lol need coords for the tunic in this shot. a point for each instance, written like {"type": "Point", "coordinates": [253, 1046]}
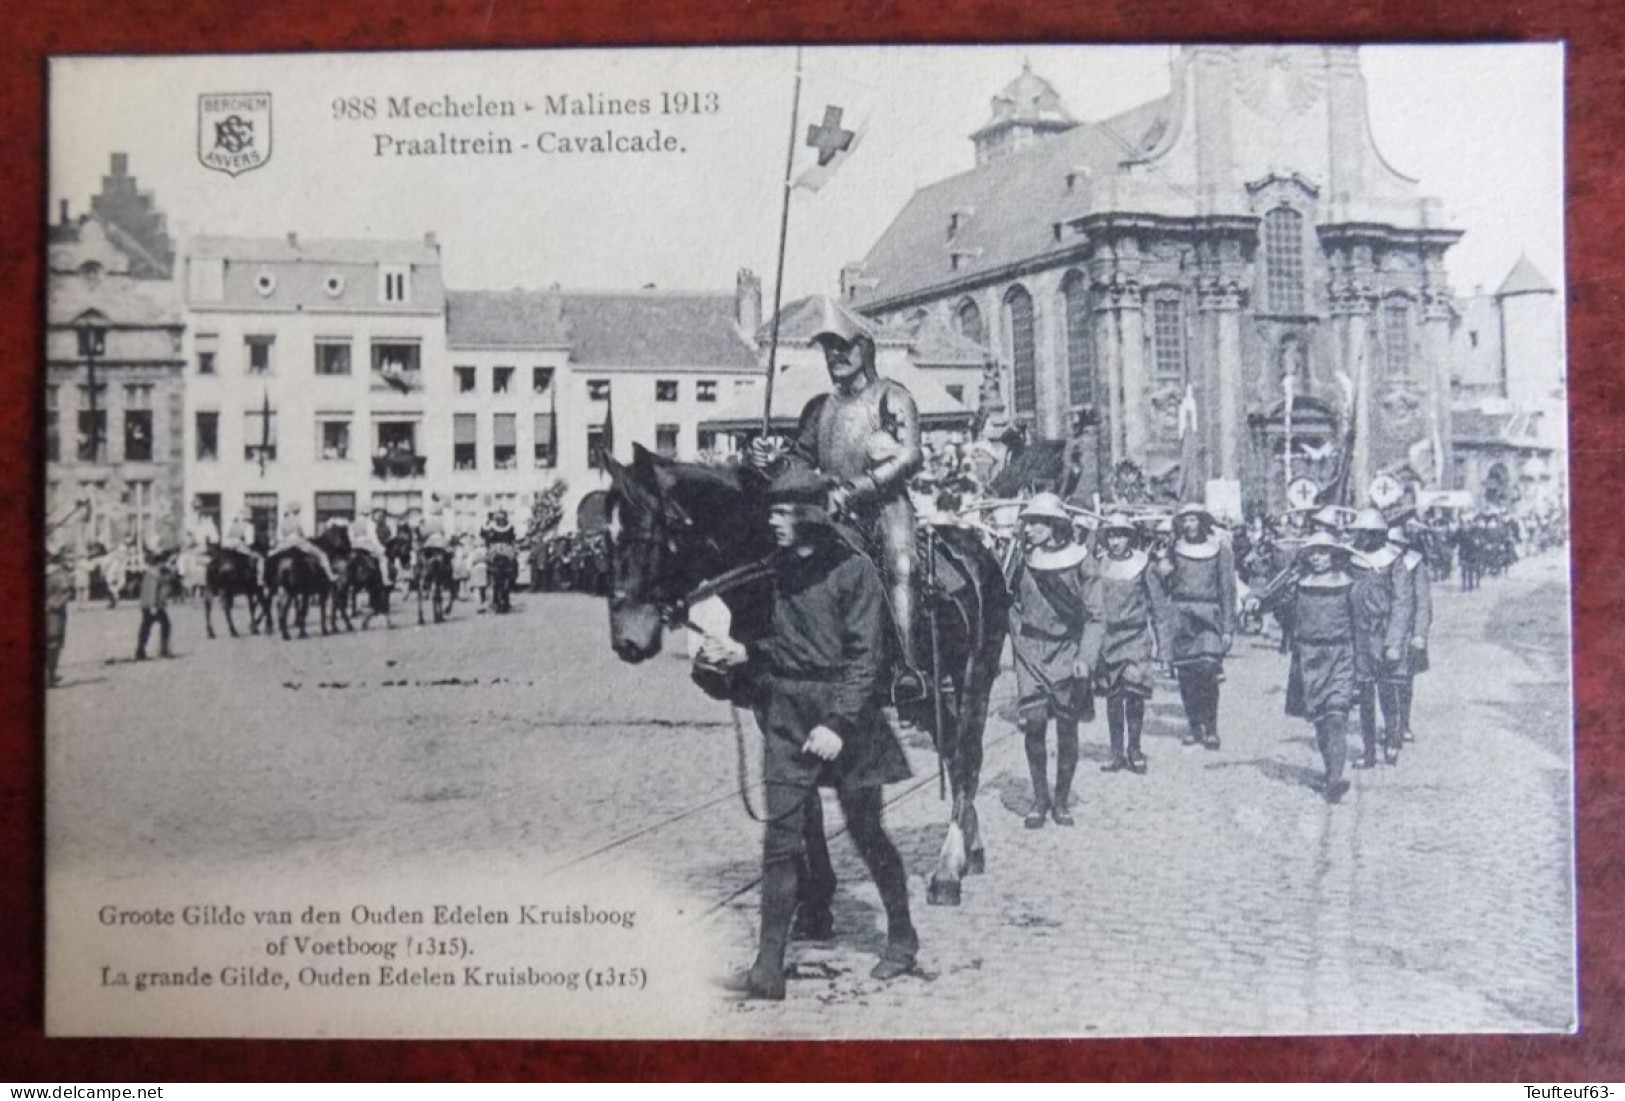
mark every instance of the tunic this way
{"type": "Point", "coordinates": [819, 665]}
{"type": "Point", "coordinates": [1320, 681]}
{"type": "Point", "coordinates": [1130, 604]}
{"type": "Point", "coordinates": [1382, 616]}
{"type": "Point", "coordinates": [1056, 621]}
{"type": "Point", "coordinates": [1200, 582]}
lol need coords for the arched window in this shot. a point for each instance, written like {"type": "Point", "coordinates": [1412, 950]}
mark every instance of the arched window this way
{"type": "Point", "coordinates": [1080, 340]}
{"type": "Point", "coordinates": [1396, 338]}
{"type": "Point", "coordinates": [1168, 337]}
{"type": "Point", "coordinates": [968, 321]}
{"type": "Point", "coordinates": [1018, 306]}
{"type": "Point", "coordinates": [1283, 260]}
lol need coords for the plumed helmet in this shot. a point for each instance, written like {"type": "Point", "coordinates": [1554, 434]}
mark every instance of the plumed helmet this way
{"type": "Point", "coordinates": [1046, 506]}
{"type": "Point", "coordinates": [1369, 519]}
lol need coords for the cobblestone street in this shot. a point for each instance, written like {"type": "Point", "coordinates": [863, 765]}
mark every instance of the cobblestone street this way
{"type": "Point", "coordinates": [1217, 894]}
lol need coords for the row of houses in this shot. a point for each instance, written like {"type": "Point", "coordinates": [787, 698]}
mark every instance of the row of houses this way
{"type": "Point", "coordinates": [345, 375]}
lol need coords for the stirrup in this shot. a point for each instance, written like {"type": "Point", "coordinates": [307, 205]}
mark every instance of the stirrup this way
{"type": "Point", "coordinates": [907, 687]}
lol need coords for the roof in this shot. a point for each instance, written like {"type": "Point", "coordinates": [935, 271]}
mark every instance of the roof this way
{"type": "Point", "coordinates": [1028, 100]}
{"type": "Point", "coordinates": [121, 299]}
{"type": "Point", "coordinates": [1525, 278]}
{"type": "Point", "coordinates": [1013, 202]}
{"type": "Point", "coordinates": [515, 319]}
{"type": "Point", "coordinates": [797, 384]}
{"type": "Point", "coordinates": [293, 249]}
{"type": "Point", "coordinates": [657, 329]}
{"type": "Point", "coordinates": [1511, 430]}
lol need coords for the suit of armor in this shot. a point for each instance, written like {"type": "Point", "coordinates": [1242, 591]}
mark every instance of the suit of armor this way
{"type": "Point", "coordinates": [867, 437]}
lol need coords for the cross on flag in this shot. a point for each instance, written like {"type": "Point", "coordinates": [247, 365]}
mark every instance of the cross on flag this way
{"type": "Point", "coordinates": [833, 144]}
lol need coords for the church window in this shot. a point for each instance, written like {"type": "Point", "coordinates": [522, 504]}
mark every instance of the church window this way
{"type": "Point", "coordinates": [1080, 340]}
{"type": "Point", "coordinates": [968, 321]}
{"type": "Point", "coordinates": [1283, 260]}
{"type": "Point", "coordinates": [1168, 338]}
{"type": "Point", "coordinates": [1018, 305]}
{"type": "Point", "coordinates": [1396, 338]}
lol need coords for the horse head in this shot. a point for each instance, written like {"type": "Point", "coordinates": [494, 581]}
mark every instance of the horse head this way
{"type": "Point", "coordinates": [666, 533]}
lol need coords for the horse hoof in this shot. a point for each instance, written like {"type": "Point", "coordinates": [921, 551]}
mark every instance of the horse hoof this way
{"type": "Point", "coordinates": [944, 892]}
{"type": "Point", "coordinates": [976, 863]}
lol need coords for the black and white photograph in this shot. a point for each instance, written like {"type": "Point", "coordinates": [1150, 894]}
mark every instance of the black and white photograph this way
{"type": "Point", "coordinates": [821, 543]}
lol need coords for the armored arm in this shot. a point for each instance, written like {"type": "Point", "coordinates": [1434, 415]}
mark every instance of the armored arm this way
{"type": "Point", "coordinates": [901, 419]}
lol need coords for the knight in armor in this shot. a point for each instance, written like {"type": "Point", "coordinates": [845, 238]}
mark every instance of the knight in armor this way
{"type": "Point", "coordinates": [1382, 629]}
{"type": "Point", "coordinates": [291, 536]}
{"type": "Point", "coordinates": [865, 434]}
{"type": "Point", "coordinates": [1131, 603]}
{"type": "Point", "coordinates": [1198, 574]}
{"type": "Point", "coordinates": [1056, 624]}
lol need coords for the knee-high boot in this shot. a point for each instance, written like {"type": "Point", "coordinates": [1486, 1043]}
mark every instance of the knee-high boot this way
{"type": "Point", "coordinates": [1210, 709]}
{"type": "Point", "coordinates": [866, 823]}
{"type": "Point", "coordinates": [1393, 730]}
{"type": "Point", "coordinates": [765, 979]}
{"type": "Point", "coordinates": [1190, 694]}
{"type": "Point", "coordinates": [1066, 767]}
{"type": "Point", "coordinates": [1116, 720]}
{"type": "Point", "coordinates": [1365, 698]}
{"type": "Point", "coordinates": [1134, 720]}
{"type": "Point", "coordinates": [1038, 767]}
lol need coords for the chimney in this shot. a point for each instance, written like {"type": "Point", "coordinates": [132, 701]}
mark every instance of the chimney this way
{"type": "Point", "coordinates": [748, 303]}
{"type": "Point", "coordinates": [431, 241]}
{"type": "Point", "coordinates": [64, 209]}
{"type": "Point", "coordinates": [853, 281]}
{"type": "Point", "coordinates": [293, 239]}
{"type": "Point", "coordinates": [121, 164]}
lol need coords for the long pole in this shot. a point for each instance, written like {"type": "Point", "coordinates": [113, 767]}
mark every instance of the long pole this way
{"type": "Point", "coordinates": [784, 233]}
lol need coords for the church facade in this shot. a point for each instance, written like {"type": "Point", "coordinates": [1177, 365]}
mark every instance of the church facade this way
{"type": "Point", "coordinates": [1228, 288]}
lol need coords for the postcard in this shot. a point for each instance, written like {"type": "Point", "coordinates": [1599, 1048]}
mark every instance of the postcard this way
{"type": "Point", "coordinates": [885, 542]}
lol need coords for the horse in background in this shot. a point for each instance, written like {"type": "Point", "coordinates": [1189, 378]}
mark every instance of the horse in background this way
{"type": "Point", "coordinates": [228, 574]}
{"type": "Point", "coordinates": [676, 525]}
{"type": "Point", "coordinates": [295, 579]}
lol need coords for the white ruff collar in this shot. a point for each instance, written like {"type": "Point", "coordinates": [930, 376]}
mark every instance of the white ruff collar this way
{"type": "Point", "coordinates": [1379, 559]}
{"type": "Point", "coordinates": [1056, 558]}
{"type": "Point", "coordinates": [1123, 569]}
{"type": "Point", "coordinates": [1205, 549]}
{"type": "Point", "coordinates": [1336, 579]}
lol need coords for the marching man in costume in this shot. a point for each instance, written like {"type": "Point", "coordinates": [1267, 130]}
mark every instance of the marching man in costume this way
{"type": "Point", "coordinates": [1199, 577]}
{"type": "Point", "coordinates": [1418, 595]}
{"type": "Point", "coordinates": [1132, 605]}
{"type": "Point", "coordinates": [814, 682]}
{"type": "Point", "coordinates": [1318, 593]}
{"type": "Point", "coordinates": [865, 434]}
{"type": "Point", "coordinates": [1382, 633]}
{"type": "Point", "coordinates": [1056, 625]}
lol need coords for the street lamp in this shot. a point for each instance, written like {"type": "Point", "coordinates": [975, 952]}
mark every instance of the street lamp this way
{"type": "Point", "coordinates": [92, 335]}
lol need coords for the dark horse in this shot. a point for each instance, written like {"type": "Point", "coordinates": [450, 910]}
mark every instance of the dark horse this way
{"type": "Point", "coordinates": [676, 525]}
{"type": "Point", "coordinates": [296, 578]}
{"type": "Point", "coordinates": [431, 573]}
{"type": "Point", "coordinates": [364, 574]}
{"type": "Point", "coordinates": [228, 575]}
{"type": "Point", "coordinates": [502, 563]}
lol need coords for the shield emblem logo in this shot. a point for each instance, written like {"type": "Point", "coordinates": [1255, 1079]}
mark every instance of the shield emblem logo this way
{"type": "Point", "coordinates": [234, 131]}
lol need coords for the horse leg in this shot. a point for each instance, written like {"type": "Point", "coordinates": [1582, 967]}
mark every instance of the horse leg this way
{"type": "Point", "coordinates": [227, 600]}
{"type": "Point", "coordinates": [973, 729]}
{"type": "Point", "coordinates": [208, 614]}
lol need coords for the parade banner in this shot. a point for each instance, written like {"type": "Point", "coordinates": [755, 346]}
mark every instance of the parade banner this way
{"type": "Point", "coordinates": [531, 556]}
